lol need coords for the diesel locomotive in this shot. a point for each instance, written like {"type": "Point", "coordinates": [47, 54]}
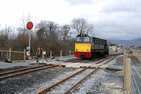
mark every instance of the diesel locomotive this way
{"type": "Point", "coordinates": [87, 47]}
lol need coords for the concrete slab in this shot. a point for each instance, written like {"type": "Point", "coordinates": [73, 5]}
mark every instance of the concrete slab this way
{"type": "Point", "coordinates": [75, 65]}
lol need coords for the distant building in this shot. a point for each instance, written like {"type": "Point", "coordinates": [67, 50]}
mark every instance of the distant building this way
{"type": "Point", "coordinates": [111, 44]}
{"type": "Point", "coordinates": [139, 48]}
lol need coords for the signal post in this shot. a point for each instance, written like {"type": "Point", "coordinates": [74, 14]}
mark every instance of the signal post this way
{"type": "Point", "coordinates": [29, 27]}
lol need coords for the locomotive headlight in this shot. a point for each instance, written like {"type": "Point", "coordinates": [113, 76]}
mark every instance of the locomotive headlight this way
{"type": "Point", "coordinates": [76, 49]}
{"type": "Point", "coordinates": [87, 50]}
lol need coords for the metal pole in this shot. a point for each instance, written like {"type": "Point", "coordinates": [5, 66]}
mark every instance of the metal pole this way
{"type": "Point", "coordinates": [24, 54]}
{"type": "Point", "coordinates": [29, 45]}
{"type": "Point", "coordinates": [9, 54]}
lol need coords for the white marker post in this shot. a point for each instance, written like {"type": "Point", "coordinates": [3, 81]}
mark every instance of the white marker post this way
{"type": "Point", "coordinates": [29, 27]}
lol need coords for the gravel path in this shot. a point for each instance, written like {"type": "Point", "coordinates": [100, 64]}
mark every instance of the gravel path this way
{"type": "Point", "coordinates": [23, 82]}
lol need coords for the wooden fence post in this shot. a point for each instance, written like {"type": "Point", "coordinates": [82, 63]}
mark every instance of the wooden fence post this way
{"type": "Point", "coordinates": [70, 54]}
{"type": "Point", "coordinates": [24, 54]}
{"type": "Point", "coordinates": [60, 55]}
{"type": "Point", "coordinates": [50, 55]}
{"type": "Point", "coordinates": [124, 63]}
{"type": "Point", "coordinates": [128, 76]}
{"type": "Point", "coordinates": [9, 53]}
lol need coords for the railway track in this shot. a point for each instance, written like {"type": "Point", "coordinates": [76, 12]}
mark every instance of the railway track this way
{"type": "Point", "coordinates": [75, 60]}
{"type": "Point", "coordinates": [79, 60]}
{"type": "Point", "coordinates": [64, 80]}
{"type": "Point", "coordinates": [9, 74]}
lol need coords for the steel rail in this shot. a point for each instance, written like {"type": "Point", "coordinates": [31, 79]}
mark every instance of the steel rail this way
{"type": "Point", "coordinates": [54, 85]}
{"type": "Point", "coordinates": [103, 60]}
{"type": "Point", "coordinates": [25, 72]}
{"type": "Point", "coordinates": [78, 60]}
{"type": "Point", "coordinates": [108, 60]}
{"type": "Point", "coordinates": [67, 91]}
{"type": "Point", "coordinates": [97, 63]}
{"type": "Point", "coordinates": [19, 70]}
{"type": "Point", "coordinates": [75, 60]}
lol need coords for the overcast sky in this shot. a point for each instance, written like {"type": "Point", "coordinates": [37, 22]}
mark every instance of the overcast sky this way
{"type": "Point", "coordinates": [112, 19]}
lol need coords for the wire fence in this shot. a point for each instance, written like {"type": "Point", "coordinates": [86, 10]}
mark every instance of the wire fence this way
{"type": "Point", "coordinates": [134, 83]}
{"type": "Point", "coordinates": [132, 76]}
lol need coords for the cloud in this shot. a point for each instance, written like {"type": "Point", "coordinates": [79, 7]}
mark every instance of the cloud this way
{"type": "Point", "coordinates": [118, 20]}
{"type": "Point", "coordinates": [112, 19]}
{"type": "Point", "coordinates": [122, 6]}
{"type": "Point", "coordinates": [79, 2]}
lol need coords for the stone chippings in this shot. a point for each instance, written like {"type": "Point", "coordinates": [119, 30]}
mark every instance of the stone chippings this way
{"type": "Point", "coordinates": [42, 86]}
{"type": "Point", "coordinates": [20, 83]}
{"type": "Point", "coordinates": [66, 85]}
{"type": "Point", "coordinates": [102, 82]}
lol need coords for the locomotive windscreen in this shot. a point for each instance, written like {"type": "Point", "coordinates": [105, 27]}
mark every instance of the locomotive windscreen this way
{"type": "Point", "coordinates": [86, 39]}
{"type": "Point", "coordinates": [79, 39]}
{"type": "Point", "coordinates": [83, 39]}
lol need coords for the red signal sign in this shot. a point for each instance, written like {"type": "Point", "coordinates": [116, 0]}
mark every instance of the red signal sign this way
{"type": "Point", "coordinates": [29, 25]}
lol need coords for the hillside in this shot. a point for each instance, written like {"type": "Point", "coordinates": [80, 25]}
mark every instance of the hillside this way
{"type": "Point", "coordinates": [135, 42]}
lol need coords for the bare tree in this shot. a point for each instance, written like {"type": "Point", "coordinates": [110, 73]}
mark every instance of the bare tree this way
{"type": "Point", "coordinates": [6, 35]}
{"type": "Point", "coordinates": [24, 20]}
{"type": "Point", "coordinates": [65, 31]}
{"type": "Point", "coordinates": [48, 27]}
{"type": "Point", "coordinates": [7, 31]}
{"type": "Point", "coordinates": [40, 34]}
{"type": "Point", "coordinates": [80, 25]}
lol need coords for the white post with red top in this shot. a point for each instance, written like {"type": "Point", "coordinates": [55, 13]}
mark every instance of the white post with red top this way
{"type": "Point", "coordinates": [29, 27]}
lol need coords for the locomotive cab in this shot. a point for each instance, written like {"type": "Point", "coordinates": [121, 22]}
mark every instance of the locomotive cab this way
{"type": "Point", "coordinates": [83, 46]}
{"type": "Point", "coordinates": [81, 39]}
